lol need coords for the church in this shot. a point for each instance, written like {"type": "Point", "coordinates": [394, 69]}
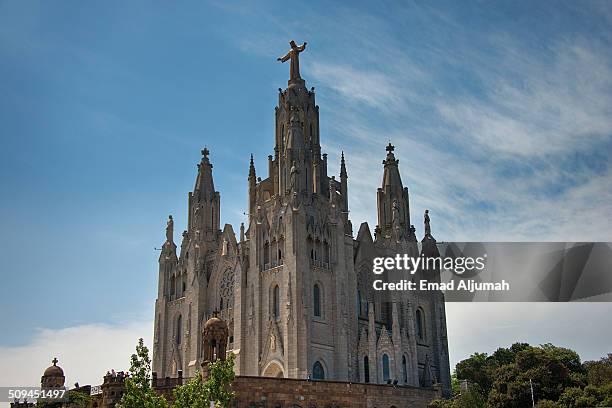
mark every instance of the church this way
{"type": "Point", "coordinates": [295, 285]}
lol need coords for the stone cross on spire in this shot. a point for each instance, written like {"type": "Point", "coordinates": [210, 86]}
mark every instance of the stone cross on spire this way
{"type": "Point", "coordinates": [294, 55]}
{"type": "Point", "coordinates": [55, 361]}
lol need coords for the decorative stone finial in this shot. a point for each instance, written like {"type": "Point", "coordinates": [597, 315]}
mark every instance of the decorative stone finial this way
{"type": "Point", "coordinates": [55, 361]}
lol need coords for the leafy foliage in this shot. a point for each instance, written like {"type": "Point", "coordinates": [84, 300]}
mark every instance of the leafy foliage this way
{"type": "Point", "coordinates": [138, 392]}
{"type": "Point", "coordinates": [197, 393]}
{"type": "Point", "coordinates": [559, 378]}
{"type": "Point", "coordinates": [191, 395]}
{"type": "Point", "coordinates": [472, 398]}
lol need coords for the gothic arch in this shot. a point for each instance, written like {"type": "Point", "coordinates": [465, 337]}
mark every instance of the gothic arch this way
{"type": "Point", "coordinates": [404, 370]}
{"type": "Point", "coordinates": [385, 347]}
{"type": "Point", "coordinates": [318, 371]}
{"type": "Point", "coordinates": [273, 369]}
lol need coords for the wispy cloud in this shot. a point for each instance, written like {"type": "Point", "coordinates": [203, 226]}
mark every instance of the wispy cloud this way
{"type": "Point", "coordinates": [520, 153]}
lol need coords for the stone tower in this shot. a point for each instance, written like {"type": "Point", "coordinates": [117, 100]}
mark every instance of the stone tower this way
{"type": "Point", "coordinates": [294, 308]}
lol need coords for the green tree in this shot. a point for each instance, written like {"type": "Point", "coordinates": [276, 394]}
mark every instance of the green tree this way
{"type": "Point", "coordinates": [599, 372]}
{"type": "Point", "coordinates": [477, 369]}
{"type": "Point", "coordinates": [138, 392]}
{"type": "Point", "coordinates": [455, 383]}
{"type": "Point", "coordinates": [78, 399]}
{"type": "Point", "coordinates": [197, 393]}
{"type": "Point", "coordinates": [547, 404]}
{"type": "Point", "coordinates": [221, 375]}
{"type": "Point", "coordinates": [472, 398]}
{"type": "Point", "coordinates": [191, 395]}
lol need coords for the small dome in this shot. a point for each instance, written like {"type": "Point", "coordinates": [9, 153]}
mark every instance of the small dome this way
{"type": "Point", "coordinates": [214, 323]}
{"type": "Point", "coordinates": [54, 370]}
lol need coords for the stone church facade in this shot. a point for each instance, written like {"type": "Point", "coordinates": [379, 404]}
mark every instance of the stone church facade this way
{"type": "Point", "coordinates": [295, 286]}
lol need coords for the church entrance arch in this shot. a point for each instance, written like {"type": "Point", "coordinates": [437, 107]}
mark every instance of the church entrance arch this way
{"type": "Point", "coordinates": [273, 369]}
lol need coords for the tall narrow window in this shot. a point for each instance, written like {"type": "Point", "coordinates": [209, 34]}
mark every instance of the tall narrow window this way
{"type": "Point", "coordinates": [318, 373]}
{"type": "Point", "coordinates": [404, 370]}
{"type": "Point", "coordinates": [276, 302]}
{"type": "Point", "coordinates": [317, 300]}
{"type": "Point", "coordinates": [388, 314]}
{"type": "Point", "coordinates": [420, 324]}
{"type": "Point", "coordinates": [358, 308]}
{"type": "Point", "coordinates": [325, 252]}
{"type": "Point", "coordinates": [385, 364]}
{"type": "Point", "coordinates": [179, 329]}
{"type": "Point", "coordinates": [266, 254]}
{"type": "Point", "coordinates": [366, 369]}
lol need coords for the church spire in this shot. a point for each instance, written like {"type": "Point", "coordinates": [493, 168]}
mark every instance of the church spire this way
{"type": "Point", "coordinates": [204, 202]}
{"type": "Point", "coordinates": [252, 187]}
{"type": "Point", "coordinates": [204, 186]}
{"type": "Point", "coordinates": [251, 168]}
{"type": "Point", "coordinates": [393, 205]}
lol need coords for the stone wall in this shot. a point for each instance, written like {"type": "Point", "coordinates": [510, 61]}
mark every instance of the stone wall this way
{"type": "Point", "coordinates": [264, 392]}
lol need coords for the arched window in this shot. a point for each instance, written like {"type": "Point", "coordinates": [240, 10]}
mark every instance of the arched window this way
{"type": "Point", "coordinates": [404, 370]}
{"type": "Point", "coordinates": [420, 324]}
{"type": "Point", "coordinates": [184, 288]}
{"type": "Point", "coordinates": [276, 302]}
{"type": "Point", "coordinates": [385, 364]}
{"type": "Point", "coordinates": [281, 246]}
{"type": "Point", "coordinates": [325, 252]}
{"type": "Point", "coordinates": [221, 304]}
{"type": "Point", "coordinates": [172, 287]}
{"type": "Point", "coordinates": [179, 329]}
{"type": "Point", "coordinates": [316, 298]}
{"type": "Point", "coordinates": [366, 369]}
{"type": "Point", "coordinates": [318, 373]}
{"type": "Point", "coordinates": [311, 248]}
{"type": "Point", "coordinates": [266, 254]}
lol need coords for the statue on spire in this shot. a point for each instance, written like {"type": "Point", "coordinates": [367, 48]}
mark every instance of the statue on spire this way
{"type": "Point", "coordinates": [170, 229]}
{"type": "Point", "coordinates": [427, 225]}
{"type": "Point", "coordinates": [294, 55]}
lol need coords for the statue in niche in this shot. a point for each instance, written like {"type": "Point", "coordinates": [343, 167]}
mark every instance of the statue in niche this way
{"type": "Point", "coordinates": [272, 342]}
{"type": "Point", "coordinates": [395, 220]}
{"type": "Point", "coordinates": [293, 178]}
{"type": "Point", "coordinates": [294, 137]}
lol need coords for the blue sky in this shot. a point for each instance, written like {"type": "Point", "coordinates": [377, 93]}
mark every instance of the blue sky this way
{"type": "Point", "coordinates": [501, 114]}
